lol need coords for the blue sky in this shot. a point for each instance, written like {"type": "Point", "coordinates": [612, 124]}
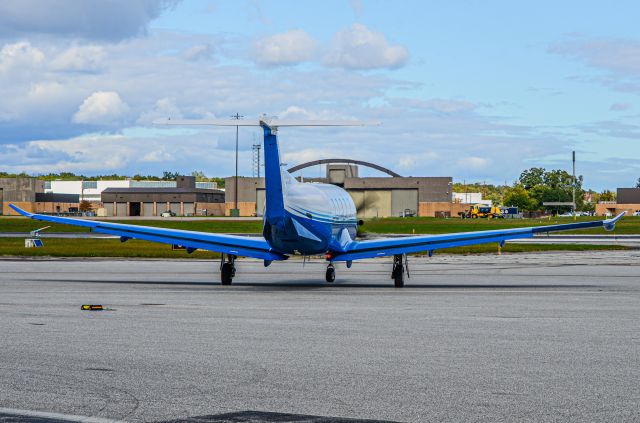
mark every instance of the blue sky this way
{"type": "Point", "coordinates": [474, 90]}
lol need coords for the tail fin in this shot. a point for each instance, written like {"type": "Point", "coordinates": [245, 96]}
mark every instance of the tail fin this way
{"type": "Point", "coordinates": [272, 175]}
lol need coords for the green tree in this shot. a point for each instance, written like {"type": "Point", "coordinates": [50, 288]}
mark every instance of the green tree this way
{"type": "Point", "coordinates": [169, 176]}
{"type": "Point", "coordinates": [607, 195]}
{"type": "Point", "coordinates": [85, 206]}
{"type": "Point", "coordinates": [200, 176]}
{"type": "Point", "coordinates": [518, 196]}
{"type": "Point", "coordinates": [638, 183]}
{"type": "Point", "coordinates": [532, 177]}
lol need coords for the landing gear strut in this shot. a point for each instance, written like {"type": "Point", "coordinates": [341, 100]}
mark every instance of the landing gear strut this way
{"type": "Point", "coordinates": [227, 269]}
{"type": "Point", "coordinates": [397, 274]}
{"type": "Point", "coordinates": [330, 276]}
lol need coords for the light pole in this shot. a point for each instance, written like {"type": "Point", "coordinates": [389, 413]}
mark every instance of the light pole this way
{"type": "Point", "coordinates": [574, 184]}
{"type": "Point", "coordinates": [235, 211]}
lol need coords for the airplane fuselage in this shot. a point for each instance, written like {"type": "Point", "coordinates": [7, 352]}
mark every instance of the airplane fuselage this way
{"type": "Point", "coordinates": [317, 218]}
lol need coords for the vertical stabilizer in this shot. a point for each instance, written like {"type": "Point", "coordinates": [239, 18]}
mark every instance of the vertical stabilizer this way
{"type": "Point", "coordinates": [273, 176]}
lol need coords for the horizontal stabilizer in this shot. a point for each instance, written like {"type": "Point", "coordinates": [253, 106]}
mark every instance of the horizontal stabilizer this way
{"type": "Point", "coordinates": [272, 123]}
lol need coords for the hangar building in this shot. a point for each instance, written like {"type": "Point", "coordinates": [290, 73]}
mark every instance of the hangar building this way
{"type": "Point", "coordinates": [373, 196]}
{"type": "Point", "coordinates": [184, 200]}
{"type": "Point", "coordinates": [29, 194]}
{"type": "Point", "coordinates": [627, 199]}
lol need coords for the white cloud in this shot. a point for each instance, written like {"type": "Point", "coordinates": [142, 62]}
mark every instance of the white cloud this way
{"type": "Point", "coordinates": [472, 162]}
{"type": "Point", "coordinates": [163, 108]}
{"type": "Point", "coordinates": [418, 160]}
{"type": "Point", "coordinates": [80, 58]}
{"type": "Point", "coordinates": [107, 20]}
{"type": "Point", "coordinates": [296, 112]}
{"type": "Point", "coordinates": [20, 55]}
{"type": "Point", "coordinates": [359, 47]}
{"type": "Point", "coordinates": [616, 55]}
{"type": "Point", "coordinates": [198, 52]}
{"type": "Point", "coordinates": [289, 48]}
{"type": "Point", "coordinates": [293, 158]}
{"type": "Point", "coordinates": [100, 108]}
{"type": "Point", "coordinates": [157, 156]}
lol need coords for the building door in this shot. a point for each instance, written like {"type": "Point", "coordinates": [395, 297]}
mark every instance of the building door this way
{"type": "Point", "coordinates": [260, 196]}
{"type": "Point", "coordinates": [147, 209]}
{"type": "Point", "coordinates": [371, 203]}
{"type": "Point", "coordinates": [134, 209]}
{"type": "Point", "coordinates": [121, 209]}
{"type": "Point", "coordinates": [404, 200]}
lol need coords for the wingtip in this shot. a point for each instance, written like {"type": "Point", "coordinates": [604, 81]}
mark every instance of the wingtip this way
{"type": "Point", "coordinates": [610, 224]}
{"type": "Point", "coordinates": [20, 211]}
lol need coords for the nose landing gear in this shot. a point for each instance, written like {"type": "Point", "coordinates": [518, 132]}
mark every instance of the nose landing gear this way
{"type": "Point", "coordinates": [227, 269]}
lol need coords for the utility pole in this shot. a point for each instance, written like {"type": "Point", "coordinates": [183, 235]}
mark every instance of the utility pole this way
{"type": "Point", "coordinates": [574, 184]}
{"type": "Point", "coordinates": [236, 212]}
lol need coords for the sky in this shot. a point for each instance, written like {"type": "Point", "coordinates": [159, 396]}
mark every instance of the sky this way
{"type": "Point", "coordinates": [474, 90]}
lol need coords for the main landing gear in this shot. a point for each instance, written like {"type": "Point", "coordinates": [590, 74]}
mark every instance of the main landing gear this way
{"type": "Point", "coordinates": [397, 274]}
{"type": "Point", "coordinates": [330, 276]}
{"type": "Point", "coordinates": [227, 268]}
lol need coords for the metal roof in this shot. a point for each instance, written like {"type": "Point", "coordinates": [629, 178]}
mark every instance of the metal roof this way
{"type": "Point", "coordinates": [144, 190]}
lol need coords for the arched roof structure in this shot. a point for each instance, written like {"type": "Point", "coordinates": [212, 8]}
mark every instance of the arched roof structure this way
{"type": "Point", "coordinates": [344, 161]}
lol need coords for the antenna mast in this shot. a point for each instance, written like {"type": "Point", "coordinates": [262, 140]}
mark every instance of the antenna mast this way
{"type": "Point", "coordinates": [256, 157]}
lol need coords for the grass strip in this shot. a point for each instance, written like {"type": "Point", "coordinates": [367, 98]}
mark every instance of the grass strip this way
{"type": "Point", "coordinates": [629, 225]}
{"type": "Point", "coordinates": [145, 249]}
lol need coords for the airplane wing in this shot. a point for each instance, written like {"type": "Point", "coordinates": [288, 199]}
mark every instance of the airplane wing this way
{"type": "Point", "coordinates": [413, 244]}
{"type": "Point", "coordinates": [256, 247]}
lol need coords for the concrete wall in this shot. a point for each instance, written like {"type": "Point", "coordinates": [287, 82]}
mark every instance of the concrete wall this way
{"type": "Point", "coordinates": [24, 205]}
{"type": "Point", "coordinates": [616, 208]}
{"type": "Point", "coordinates": [213, 209]}
{"type": "Point", "coordinates": [54, 207]}
{"type": "Point", "coordinates": [20, 189]}
{"type": "Point", "coordinates": [157, 208]}
{"type": "Point", "coordinates": [161, 195]}
{"type": "Point", "coordinates": [628, 196]}
{"type": "Point", "coordinates": [470, 198]}
{"type": "Point", "coordinates": [247, 208]}
{"type": "Point", "coordinates": [440, 209]}
{"type": "Point", "coordinates": [430, 189]}
{"type": "Point", "coordinates": [246, 189]}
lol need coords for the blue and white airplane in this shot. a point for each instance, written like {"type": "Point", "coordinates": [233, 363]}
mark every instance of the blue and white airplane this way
{"type": "Point", "coordinates": [305, 219]}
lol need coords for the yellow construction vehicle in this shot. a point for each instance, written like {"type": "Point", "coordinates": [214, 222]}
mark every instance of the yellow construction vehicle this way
{"type": "Point", "coordinates": [482, 211]}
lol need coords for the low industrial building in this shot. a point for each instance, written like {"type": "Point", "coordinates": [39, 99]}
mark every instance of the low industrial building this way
{"type": "Point", "coordinates": [470, 198]}
{"type": "Point", "coordinates": [627, 199]}
{"type": "Point", "coordinates": [373, 196]}
{"type": "Point", "coordinates": [92, 190]}
{"type": "Point", "coordinates": [185, 199]}
{"type": "Point", "coordinates": [29, 194]}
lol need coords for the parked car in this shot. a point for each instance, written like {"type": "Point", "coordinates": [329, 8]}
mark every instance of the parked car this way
{"type": "Point", "coordinates": [167, 214]}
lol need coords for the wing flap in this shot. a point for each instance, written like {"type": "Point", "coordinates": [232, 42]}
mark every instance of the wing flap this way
{"type": "Point", "coordinates": [229, 244]}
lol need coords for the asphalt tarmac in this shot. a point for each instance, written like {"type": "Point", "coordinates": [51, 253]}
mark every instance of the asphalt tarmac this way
{"type": "Point", "coordinates": [528, 337]}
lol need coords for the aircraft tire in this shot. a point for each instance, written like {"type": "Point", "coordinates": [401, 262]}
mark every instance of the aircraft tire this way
{"type": "Point", "coordinates": [226, 274]}
{"type": "Point", "coordinates": [398, 278]}
{"type": "Point", "coordinates": [330, 276]}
